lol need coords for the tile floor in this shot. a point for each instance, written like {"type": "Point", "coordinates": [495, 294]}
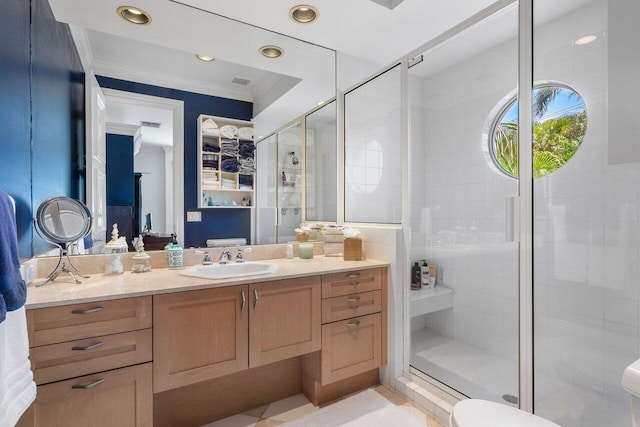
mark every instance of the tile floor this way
{"type": "Point", "coordinates": [297, 406]}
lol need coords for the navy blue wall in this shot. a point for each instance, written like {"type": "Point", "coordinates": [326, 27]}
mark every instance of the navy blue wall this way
{"type": "Point", "coordinates": [41, 76]}
{"type": "Point", "coordinates": [216, 223]}
{"type": "Point", "coordinates": [119, 169]}
{"type": "Point", "coordinates": [15, 120]}
{"type": "Point", "coordinates": [57, 100]}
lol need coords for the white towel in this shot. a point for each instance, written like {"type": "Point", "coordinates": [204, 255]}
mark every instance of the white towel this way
{"type": "Point", "coordinates": [217, 243]}
{"type": "Point", "coordinates": [17, 389]}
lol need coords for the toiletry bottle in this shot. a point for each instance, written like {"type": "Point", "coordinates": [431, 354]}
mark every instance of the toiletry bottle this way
{"type": "Point", "coordinates": [425, 275]}
{"type": "Point", "coordinates": [284, 177]}
{"type": "Point", "coordinates": [289, 251]}
{"type": "Point", "coordinates": [415, 276]}
{"type": "Point", "coordinates": [174, 253]}
{"type": "Point", "coordinates": [433, 271]}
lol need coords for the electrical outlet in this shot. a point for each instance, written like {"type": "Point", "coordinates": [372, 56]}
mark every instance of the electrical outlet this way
{"type": "Point", "coordinates": [194, 216]}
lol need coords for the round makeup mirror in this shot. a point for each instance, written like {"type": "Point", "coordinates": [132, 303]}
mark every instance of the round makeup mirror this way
{"type": "Point", "coordinates": [63, 221]}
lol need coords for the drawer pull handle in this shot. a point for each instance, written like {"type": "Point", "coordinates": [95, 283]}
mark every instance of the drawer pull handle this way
{"type": "Point", "coordinates": [89, 347]}
{"type": "Point", "coordinates": [353, 324]}
{"type": "Point", "coordinates": [255, 295]}
{"type": "Point", "coordinates": [353, 275]}
{"type": "Point", "coordinates": [244, 302]}
{"type": "Point", "coordinates": [87, 386]}
{"type": "Point", "coordinates": [88, 311]}
{"type": "Point", "coordinates": [353, 300]}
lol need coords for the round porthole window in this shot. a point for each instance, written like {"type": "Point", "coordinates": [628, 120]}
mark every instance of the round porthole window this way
{"type": "Point", "coordinates": [559, 126]}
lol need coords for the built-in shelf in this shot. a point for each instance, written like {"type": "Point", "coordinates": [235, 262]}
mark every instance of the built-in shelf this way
{"type": "Point", "coordinates": [210, 169]}
{"type": "Point", "coordinates": [430, 300]}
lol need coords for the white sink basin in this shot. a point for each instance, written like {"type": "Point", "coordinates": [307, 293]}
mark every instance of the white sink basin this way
{"type": "Point", "coordinates": [227, 271]}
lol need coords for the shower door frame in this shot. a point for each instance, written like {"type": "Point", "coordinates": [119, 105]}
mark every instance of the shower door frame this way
{"type": "Point", "coordinates": [524, 205]}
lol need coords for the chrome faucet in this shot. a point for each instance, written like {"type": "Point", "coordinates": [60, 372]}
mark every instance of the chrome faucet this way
{"type": "Point", "coordinates": [206, 260]}
{"type": "Point", "coordinates": [225, 256]}
{"type": "Point", "coordinates": [240, 255]}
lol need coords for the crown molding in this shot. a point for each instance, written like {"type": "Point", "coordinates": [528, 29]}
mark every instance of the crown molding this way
{"type": "Point", "coordinates": [81, 40]}
{"type": "Point", "coordinates": [117, 71]}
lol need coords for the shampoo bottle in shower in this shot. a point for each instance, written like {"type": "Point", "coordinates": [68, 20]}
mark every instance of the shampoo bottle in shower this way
{"type": "Point", "coordinates": [415, 276]}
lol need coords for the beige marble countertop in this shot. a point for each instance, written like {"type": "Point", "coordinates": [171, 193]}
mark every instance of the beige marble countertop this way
{"type": "Point", "coordinates": [159, 281]}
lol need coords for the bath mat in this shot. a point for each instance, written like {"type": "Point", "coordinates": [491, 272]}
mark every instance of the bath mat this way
{"type": "Point", "coordinates": [365, 409]}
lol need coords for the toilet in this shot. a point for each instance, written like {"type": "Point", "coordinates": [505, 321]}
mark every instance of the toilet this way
{"type": "Point", "coordinates": [482, 413]}
{"type": "Point", "coordinates": [631, 383]}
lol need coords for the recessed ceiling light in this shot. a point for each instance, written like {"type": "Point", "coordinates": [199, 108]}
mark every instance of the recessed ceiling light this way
{"type": "Point", "coordinates": [304, 14]}
{"type": "Point", "coordinates": [204, 58]}
{"type": "Point", "coordinates": [271, 51]}
{"type": "Point", "coordinates": [134, 15]}
{"type": "Point", "coordinates": [586, 39]}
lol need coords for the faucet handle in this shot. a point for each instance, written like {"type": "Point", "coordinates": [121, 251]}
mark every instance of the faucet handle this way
{"type": "Point", "coordinates": [241, 252]}
{"type": "Point", "coordinates": [225, 256]}
{"type": "Point", "coordinates": [206, 260]}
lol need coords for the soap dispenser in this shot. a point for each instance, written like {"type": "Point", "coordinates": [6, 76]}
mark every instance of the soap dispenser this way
{"type": "Point", "coordinates": [174, 253]}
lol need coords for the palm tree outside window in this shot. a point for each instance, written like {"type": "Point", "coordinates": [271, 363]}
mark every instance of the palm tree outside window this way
{"type": "Point", "coordinates": [559, 126]}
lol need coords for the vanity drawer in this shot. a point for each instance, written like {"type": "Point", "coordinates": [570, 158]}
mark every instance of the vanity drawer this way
{"type": "Point", "coordinates": [72, 322]}
{"type": "Point", "coordinates": [344, 307]}
{"type": "Point", "coordinates": [350, 282]}
{"type": "Point", "coordinates": [122, 397]}
{"type": "Point", "coordinates": [56, 362]}
{"type": "Point", "coordinates": [351, 347]}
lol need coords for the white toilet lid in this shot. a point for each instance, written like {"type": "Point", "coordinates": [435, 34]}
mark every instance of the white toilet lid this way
{"type": "Point", "coordinates": [482, 413]}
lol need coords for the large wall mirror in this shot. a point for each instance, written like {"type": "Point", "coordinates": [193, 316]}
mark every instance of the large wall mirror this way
{"type": "Point", "coordinates": [143, 63]}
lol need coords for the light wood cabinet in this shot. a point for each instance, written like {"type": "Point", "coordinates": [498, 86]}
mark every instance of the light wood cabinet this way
{"type": "Point", "coordinates": [199, 335]}
{"type": "Point", "coordinates": [284, 319]}
{"type": "Point", "coordinates": [351, 282]}
{"type": "Point", "coordinates": [72, 322]}
{"type": "Point", "coordinates": [122, 397]}
{"type": "Point", "coordinates": [350, 347]}
{"type": "Point", "coordinates": [57, 362]}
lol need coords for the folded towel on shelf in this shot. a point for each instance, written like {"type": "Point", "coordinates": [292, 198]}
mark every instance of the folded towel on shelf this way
{"type": "Point", "coordinates": [247, 166]}
{"type": "Point", "coordinates": [229, 147]}
{"type": "Point", "coordinates": [210, 127]}
{"type": "Point", "coordinates": [230, 165]}
{"type": "Point", "coordinates": [210, 148]}
{"type": "Point", "coordinates": [246, 187]}
{"type": "Point", "coordinates": [210, 187]}
{"type": "Point", "coordinates": [246, 149]}
{"type": "Point", "coordinates": [245, 180]}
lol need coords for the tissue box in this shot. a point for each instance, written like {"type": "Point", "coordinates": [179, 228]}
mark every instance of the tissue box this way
{"type": "Point", "coordinates": [302, 236]}
{"type": "Point", "coordinates": [353, 249]}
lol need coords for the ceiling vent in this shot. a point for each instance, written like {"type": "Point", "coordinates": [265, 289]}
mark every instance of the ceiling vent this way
{"type": "Point", "coordinates": [150, 124]}
{"type": "Point", "coordinates": [240, 81]}
{"type": "Point", "coordinates": [389, 4]}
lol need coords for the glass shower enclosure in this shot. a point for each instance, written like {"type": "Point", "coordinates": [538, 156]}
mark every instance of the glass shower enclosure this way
{"type": "Point", "coordinates": [464, 331]}
{"type": "Point", "coordinates": [582, 183]}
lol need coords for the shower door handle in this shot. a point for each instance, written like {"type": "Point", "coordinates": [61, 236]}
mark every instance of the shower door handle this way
{"type": "Point", "coordinates": [513, 219]}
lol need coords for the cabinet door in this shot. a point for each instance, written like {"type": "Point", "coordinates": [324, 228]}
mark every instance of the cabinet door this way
{"type": "Point", "coordinates": [199, 335]}
{"type": "Point", "coordinates": [123, 397]}
{"type": "Point", "coordinates": [285, 319]}
{"type": "Point", "coordinates": [350, 347]}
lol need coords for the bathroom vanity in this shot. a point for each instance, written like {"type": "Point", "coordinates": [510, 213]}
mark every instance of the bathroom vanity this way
{"type": "Point", "coordinates": [163, 349]}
